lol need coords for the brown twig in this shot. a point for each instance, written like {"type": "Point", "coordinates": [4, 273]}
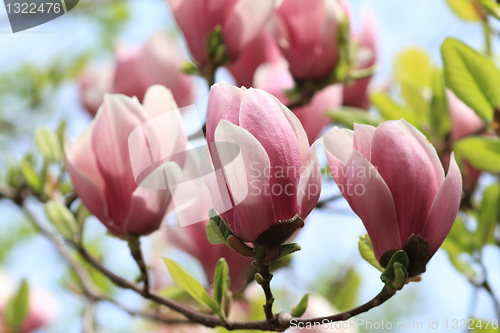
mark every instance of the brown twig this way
{"type": "Point", "coordinates": [281, 324]}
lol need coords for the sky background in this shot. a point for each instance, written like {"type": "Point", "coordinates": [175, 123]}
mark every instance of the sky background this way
{"type": "Point", "coordinates": [329, 240]}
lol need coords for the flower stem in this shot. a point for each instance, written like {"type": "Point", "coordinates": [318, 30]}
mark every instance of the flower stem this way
{"type": "Point", "coordinates": [134, 244]}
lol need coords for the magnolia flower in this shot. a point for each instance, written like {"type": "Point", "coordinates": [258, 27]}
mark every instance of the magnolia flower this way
{"type": "Point", "coordinates": [464, 121]}
{"type": "Point", "coordinates": [192, 239]}
{"type": "Point", "coordinates": [99, 161]}
{"type": "Point", "coordinates": [275, 78]}
{"type": "Point", "coordinates": [281, 172]}
{"type": "Point", "coordinates": [392, 178]}
{"type": "Point", "coordinates": [159, 61]}
{"type": "Point", "coordinates": [240, 20]}
{"type": "Point", "coordinates": [43, 308]}
{"type": "Point", "coordinates": [261, 50]}
{"type": "Point", "coordinates": [356, 94]}
{"type": "Point", "coordinates": [306, 32]}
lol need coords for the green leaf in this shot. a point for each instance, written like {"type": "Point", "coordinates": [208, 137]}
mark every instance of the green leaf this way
{"type": "Point", "coordinates": [217, 229]}
{"type": "Point", "coordinates": [62, 218]}
{"type": "Point", "coordinates": [48, 144]}
{"type": "Point", "coordinates": [347, 116]}
{"type": "Point", "coordinates": [220, 281]}
{"type": "Point", "coordinates": [459, 239]}
{"type": "Point", "coordinates": [390, 110]}
{"type": "Point", "coordinates": [343, 293]}
{"type": "Point", "coordinates": [299, 310]}
{"type": "Point", "coordinates": [17, 307]}
{"type": "Point", "coordinates": [287, 249]}
{"type": "Point", "coordinates": [366, 250]}
{"type": "Point", "coordinates": [413, 65]}
{"type": "Point", "coordinates": [488, 216]}
{"type": "Point", "coordinates": [186, 281]}
{"type": "Point", "coordinates": [397, 266]}
{"type": "Point", "coordinates": [473, 78]}
{"type": "Point", "coordinates": [61, 133]}
{"type": "Point", "coordinates": [32, 178]}
{"type": "Point", "coordinates": [439, 115]}
{"type": "Point", "coordinates": [481, 152]}
{"type": "Point", "coordinates": [464, 9]}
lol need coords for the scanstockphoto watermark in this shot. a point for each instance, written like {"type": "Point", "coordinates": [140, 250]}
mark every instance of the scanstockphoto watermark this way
{"type": "Point", "coordinates": [361, 324]}
{"type": "Point", "coordinates": [26, 14]}
{"type": "Point", "coordinates": [222, 170]}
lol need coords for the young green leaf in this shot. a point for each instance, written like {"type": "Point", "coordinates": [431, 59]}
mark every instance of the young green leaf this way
{"type": "Point", "coordinates": [464, 9]}
{"type": "Point", "coordinates": [62, 218]}
{"type": "Point", "coordinates": [17, 308]}
{"type": "Point", "coordinates": [481, 152]}
{"type": "Point", "coordinates": [390, 110]}
{"type": "Point", "coordinates": [489, 215]}
{"type": "Point", "coordinates": [217, 229]}
{"type": "Point", "coordinates": [347, 116]}
{"type": "Point", "coordinates": [287, 249]}
{"type": "Point", "coordinates": [299, 310]}
{"type": "Point", "coordinates": [220, 280]}
{"type": "Point", "coordinates": [366, 250]}
{"type": "Point", "coordinates": [473, 78]}
{"type": "Point", "coordinates": [48, 144]}
{"type": "Point", "coordinates": [396, 270]}
{"type": "Point", "coordinates": [32, 178]}
{"type": "Point", "coordinates": [193, 287]}
{"type": "Point", "coordinates": [439, 115]}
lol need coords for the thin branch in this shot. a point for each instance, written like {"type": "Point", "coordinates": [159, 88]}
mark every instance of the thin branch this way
{"type": "Point", "coordinates": [88, 317]}
{"type": "Point", "coordinates": [264, 270]}
{"type": "Point", "coordinates": [381, 298]}
{"type": "Point", "coordinates": [134, 244]}
{"type": "Point", "coordinates": [283, 319]}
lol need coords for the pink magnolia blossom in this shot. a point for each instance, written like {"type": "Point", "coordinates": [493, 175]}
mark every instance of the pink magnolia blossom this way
{"type": "Point", "coordinates": [392, 178]}
{"type": "Point", "coordinates": [192, 239]}
{"type": "Point", "coordinates": [43, 308]}
{"type": "Point", "coordinates": [464, 121]}
{"type": "Point", "coordinates": [306, 32]}
{"type": "Point", "coordinates": [240, 20]}
{"type": "Point", "coordinates": [275, 79]}
{"type": "Point", "coordinates": [261, 50]}
{"type": "Point", "coordinates": [356, 94]}
{"type": "Point", "coordinates": [99, 162]}
{"type": "Point", "coordinates": [136, 69]}
{"type": "Point", "coordinates": [281, 171]}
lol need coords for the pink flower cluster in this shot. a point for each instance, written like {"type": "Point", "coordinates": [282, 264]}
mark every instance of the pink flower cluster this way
{"type": "Point", "coordinates": [272, 48]}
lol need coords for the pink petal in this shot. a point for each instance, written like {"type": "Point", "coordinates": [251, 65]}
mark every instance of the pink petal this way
{"type": "Point", "coordinates": [114, 122]}
{"type": "Point", "coordinates": [147, 210]}
{"type": "Point", "coordinates": [370, 198]}
{"type": "Point", "coordinates": [245, 22]}
{"type": "Point", "coordinates": [279, 140]}
{"type": "Point", "coordinates": [297, 28]}
{"type": "Point", "coordinates": [355, 95]}
{"type": "Point", "coordinates": [85, 175]}
{"type": "Point", "coordinates": [192, 20]}
{"type": "Point", "coordinates": [261, 50]}
{"type": "Point", "coordinates": [312, 116]}
{"type": "Point", "coordinates": [223, 103]}
{"type": "Point", "coordinates": [363, 135]}
{"type": "Point", "coordinates": [309, 184]}
{"type": "Point", "coordinates": [464, 121]}
{"type": "Point", "coordinates": [275, 79]}
{"type": "Point", "coordinates": [256, 212]}
{"type": "Point", "coordinates": [160, 62]}
{"type": "Point", "coordinates": [409, 165]}
{"type": "Point", "coordinates": [444, 208]}
{"type": "Point", "coordinates": [338, 146]}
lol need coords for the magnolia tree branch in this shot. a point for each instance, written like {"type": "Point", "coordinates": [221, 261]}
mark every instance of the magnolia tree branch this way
{"type": "Point", "coordinates": [88, 287]}
{"type": "Point", "coordinates": [279, 322]}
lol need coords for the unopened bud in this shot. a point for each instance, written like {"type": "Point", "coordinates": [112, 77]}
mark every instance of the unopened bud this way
{"type": "Point", "coordinates": [258, 278]}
